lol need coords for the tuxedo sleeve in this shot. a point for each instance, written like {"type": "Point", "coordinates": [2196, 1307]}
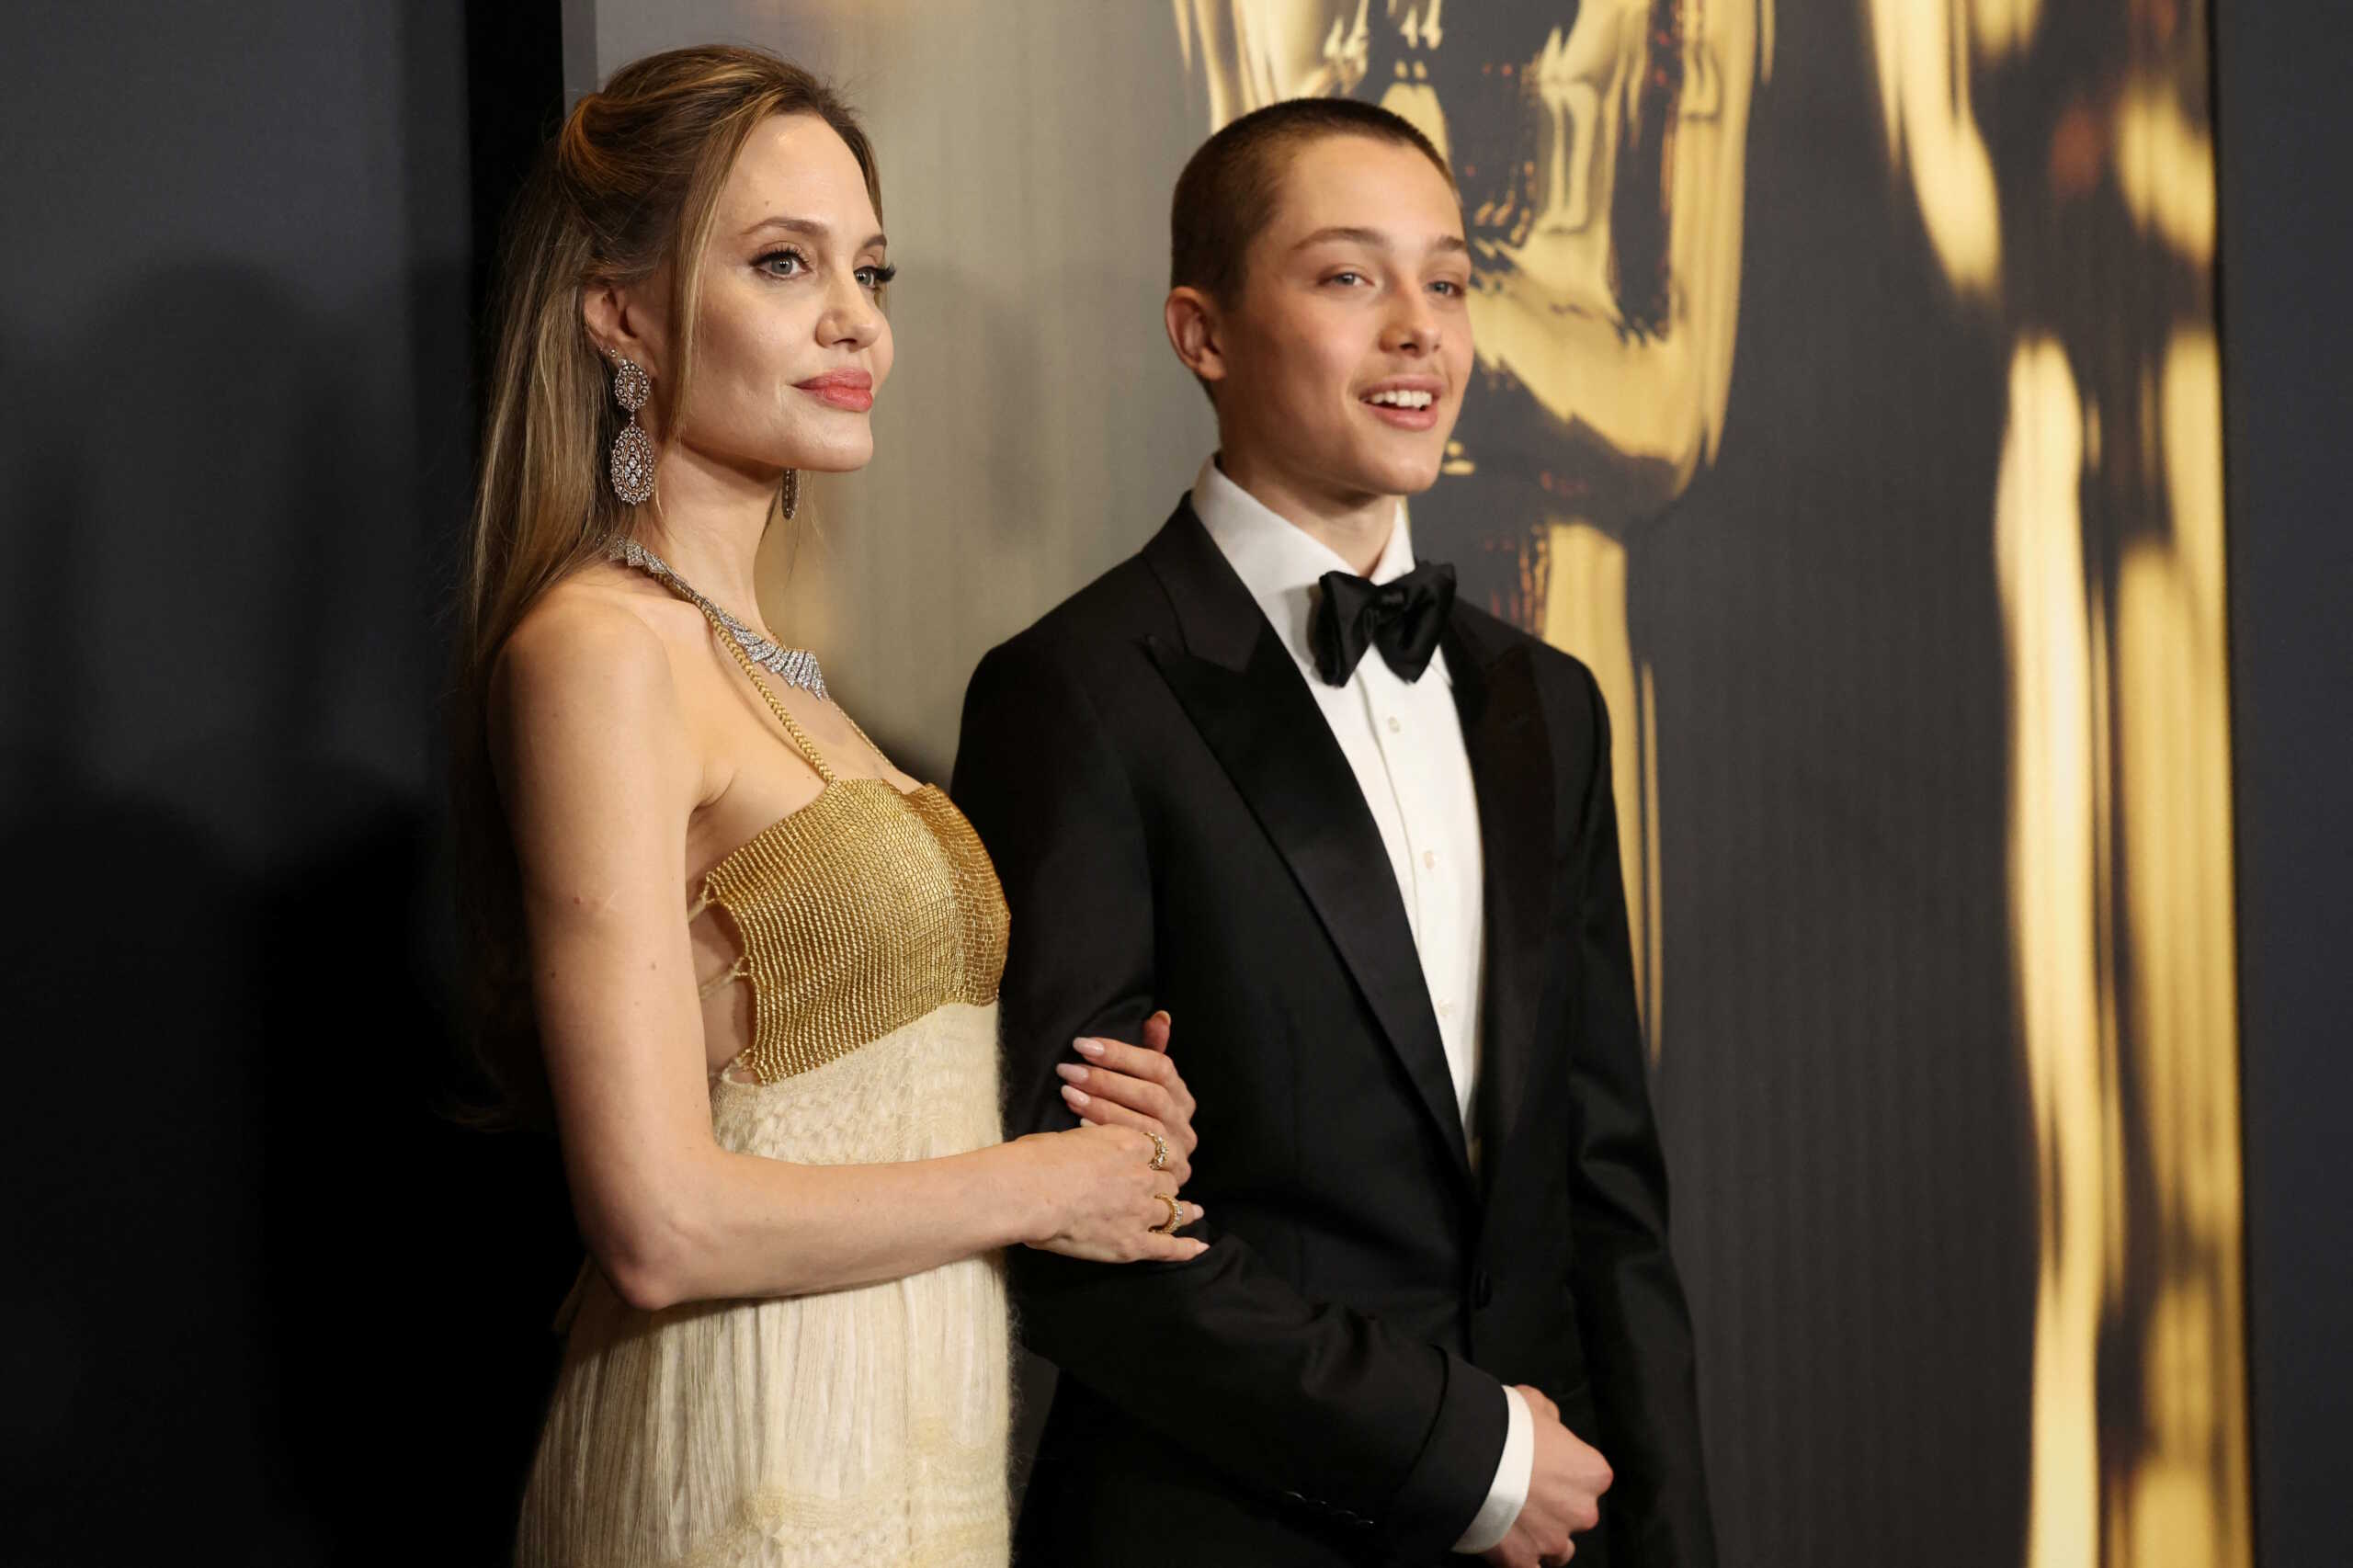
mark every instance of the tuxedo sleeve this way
{"type": "Point", "coordinates": [1317, 1406]}
{"type": "Point", "coordinates": [1631, 1315]}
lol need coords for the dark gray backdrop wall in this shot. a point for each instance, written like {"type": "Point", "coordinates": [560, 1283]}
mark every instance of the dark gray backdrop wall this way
{"type": "Point", "coordinates": [2287, 254]}
{"type": "Point", "coordinates": [257, 1291]}
{"type": "Point", "coordinates": [261, 1296]}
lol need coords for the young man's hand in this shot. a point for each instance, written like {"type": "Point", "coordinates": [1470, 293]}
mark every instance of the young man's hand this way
{"type": "Point", "coordinates": [1565, 1488]}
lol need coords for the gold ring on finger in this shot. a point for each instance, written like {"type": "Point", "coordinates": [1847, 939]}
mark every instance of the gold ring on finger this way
{"type": "Point", "coordinates": [1175, 1215]}
{"type": "Point", "coordinates": [1159, 1150]}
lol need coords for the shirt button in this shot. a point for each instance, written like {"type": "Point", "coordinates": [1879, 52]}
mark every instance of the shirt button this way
{"type": "Point", "coordinates": [1445, 1009]}
{"type": "Point", "coordinates": [1429, 858]}
{"type": "Point", "coordinates": [1395, 727]}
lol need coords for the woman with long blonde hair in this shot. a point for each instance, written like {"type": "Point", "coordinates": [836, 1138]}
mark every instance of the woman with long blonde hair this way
{"type": "Point", "coordinates": [745, 966]}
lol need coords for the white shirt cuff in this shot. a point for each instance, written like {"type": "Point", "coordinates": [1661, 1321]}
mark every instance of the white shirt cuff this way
{"type": "Point", "coordinates": [1509, 1493]}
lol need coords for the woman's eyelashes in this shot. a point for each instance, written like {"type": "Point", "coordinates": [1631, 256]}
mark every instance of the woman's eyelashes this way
{"type": "Point", "coordinates": [787, 262]}
{"type": "Point", "coordinates": [782, 261]}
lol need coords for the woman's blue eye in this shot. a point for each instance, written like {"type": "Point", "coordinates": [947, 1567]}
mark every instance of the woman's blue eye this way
{"type": "Point", "coordinates": [876, 276]}
{"type": "Point", "coordinates": [777, 259]}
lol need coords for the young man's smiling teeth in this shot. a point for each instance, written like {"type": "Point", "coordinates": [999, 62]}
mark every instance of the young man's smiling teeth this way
{"type": "Point", "coordinates": [1400, 398]}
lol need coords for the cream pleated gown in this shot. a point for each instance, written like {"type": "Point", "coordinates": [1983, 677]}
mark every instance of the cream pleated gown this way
{"type": "Point", "coordinates": [866, 1426]}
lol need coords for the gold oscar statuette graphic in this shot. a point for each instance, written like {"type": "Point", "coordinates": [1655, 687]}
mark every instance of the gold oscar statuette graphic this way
{"type": "Point", "coordinates": [1601, 150]}
{"type": "Point", "coordinates": [2108, 553]}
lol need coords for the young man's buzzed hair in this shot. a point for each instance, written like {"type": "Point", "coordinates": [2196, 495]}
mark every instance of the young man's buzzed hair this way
{"type": "Point", "coordinates": [1227, 193]}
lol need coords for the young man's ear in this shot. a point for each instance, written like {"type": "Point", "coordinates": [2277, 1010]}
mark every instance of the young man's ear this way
{"type": "Point", "coordinates": [1196, 332]}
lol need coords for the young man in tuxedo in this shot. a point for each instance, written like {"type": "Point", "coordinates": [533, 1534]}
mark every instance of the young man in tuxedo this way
{"type": "Point", "coordinates": [1359, 840]}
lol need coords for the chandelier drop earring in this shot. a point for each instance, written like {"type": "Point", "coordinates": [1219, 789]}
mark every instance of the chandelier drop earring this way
{"type": "Point", "coordinates": [633, 463]}
{"type": "Point", "coordinates": [792, 492]}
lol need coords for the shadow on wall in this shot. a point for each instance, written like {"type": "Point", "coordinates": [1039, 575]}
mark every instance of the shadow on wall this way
{"type": "Point", "coordinates": [262, 1284]}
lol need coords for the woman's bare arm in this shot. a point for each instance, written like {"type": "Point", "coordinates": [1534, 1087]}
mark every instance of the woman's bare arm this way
{"type": "Point", "coordinates": [598, 774]}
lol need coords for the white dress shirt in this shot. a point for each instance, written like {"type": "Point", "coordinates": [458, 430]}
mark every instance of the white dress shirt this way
{"type": "Point", "coordinates": [1404, 742]}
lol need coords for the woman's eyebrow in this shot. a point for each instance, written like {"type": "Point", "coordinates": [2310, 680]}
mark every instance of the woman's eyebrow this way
{"type": "Point", "coordinates": [812, 228]}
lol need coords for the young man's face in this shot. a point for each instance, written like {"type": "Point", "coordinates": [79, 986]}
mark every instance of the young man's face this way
{"type": "Point", "coordinates": [1344, 359]}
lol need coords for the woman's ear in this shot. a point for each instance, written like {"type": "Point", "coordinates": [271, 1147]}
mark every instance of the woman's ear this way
{"type": "Point", "coordinates": [618, 326]}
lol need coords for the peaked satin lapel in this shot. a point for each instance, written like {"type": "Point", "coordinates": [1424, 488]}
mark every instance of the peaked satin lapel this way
{"type": "Point", "coordinates": [1511, 772]}
{"type": "Point", "coordinates": [1244, 694]}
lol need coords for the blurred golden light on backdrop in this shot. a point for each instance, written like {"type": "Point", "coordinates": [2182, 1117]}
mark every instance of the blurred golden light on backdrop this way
{"type": "Point", "coordinates": [1606, 294]}
{"type": "Point", "coordinates": [2120, 864]}
{"type": "Point", "coordinates": [1627, 124]}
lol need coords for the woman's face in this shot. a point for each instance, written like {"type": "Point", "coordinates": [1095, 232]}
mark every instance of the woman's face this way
{"type": "Point", "coordinates": [793, 343]}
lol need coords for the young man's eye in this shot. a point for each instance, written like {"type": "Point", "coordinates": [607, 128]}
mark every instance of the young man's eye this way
{"type": "Point", "coordinates": [1448, 287]}
{"type": "Point", "coordinates": [1345, 278]}
{"type": "Point", "coordinates": [782, 263]}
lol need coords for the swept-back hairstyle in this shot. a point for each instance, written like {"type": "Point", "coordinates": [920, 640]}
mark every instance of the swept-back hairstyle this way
{"type": "Point", "coordinates": [1230, 187]}
{"type": "Point", "coordinates": [1228, 192]}
{"type": "Point", "coordinates": [631, 183]}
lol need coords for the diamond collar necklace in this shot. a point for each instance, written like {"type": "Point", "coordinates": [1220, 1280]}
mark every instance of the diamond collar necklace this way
{"type": "Point", "coordinates": [794, 666]}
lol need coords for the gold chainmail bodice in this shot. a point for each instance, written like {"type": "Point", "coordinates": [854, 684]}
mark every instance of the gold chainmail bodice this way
{"type": "Point", "coordinates": [858, 914]}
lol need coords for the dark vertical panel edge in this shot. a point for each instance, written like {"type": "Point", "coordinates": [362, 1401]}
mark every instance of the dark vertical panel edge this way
{"type": "Point", "coordinates": [2289, 553]}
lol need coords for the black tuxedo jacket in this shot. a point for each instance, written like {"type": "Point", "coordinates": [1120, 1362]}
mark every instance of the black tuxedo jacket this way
{"type": "Point", "coordinates": [1176, 826]}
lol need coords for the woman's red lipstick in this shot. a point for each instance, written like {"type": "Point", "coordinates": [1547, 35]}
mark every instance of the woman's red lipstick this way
{"type": "Point", "coordinates": [851, 390]}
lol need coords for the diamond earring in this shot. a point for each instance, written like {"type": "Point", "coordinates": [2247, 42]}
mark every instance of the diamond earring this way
{"type": "Point", "coordinates": [792, 492]}
{"type": "Point", "coordinates": [633, 463]}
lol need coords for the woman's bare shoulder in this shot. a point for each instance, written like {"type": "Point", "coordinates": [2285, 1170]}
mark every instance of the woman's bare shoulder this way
{"type": "Point", "coordinates": [591, 661]}
{"type": "Point", "coordinates": [597, 628]}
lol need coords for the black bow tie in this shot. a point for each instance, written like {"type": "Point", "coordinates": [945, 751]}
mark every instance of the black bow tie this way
{"type": "Point", "coordinates": [1402, 619]}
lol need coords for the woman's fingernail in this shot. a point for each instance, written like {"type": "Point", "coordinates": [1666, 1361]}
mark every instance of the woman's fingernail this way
{"type": "Point", "coordinates": [1075, 1097]}
{"type": "Point", "coordinates": [1089, 1047]}
{"type": "Point", "coordinates": [1071, 1070]}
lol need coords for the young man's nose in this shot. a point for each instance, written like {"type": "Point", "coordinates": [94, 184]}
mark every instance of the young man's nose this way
{"type": "Point", "coordinates": [1412, 329]}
